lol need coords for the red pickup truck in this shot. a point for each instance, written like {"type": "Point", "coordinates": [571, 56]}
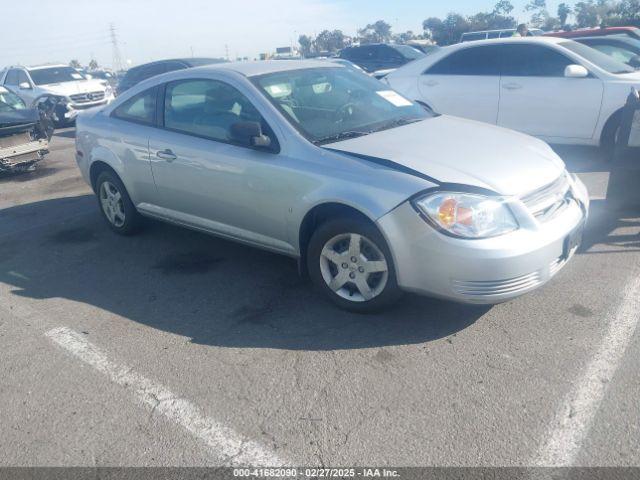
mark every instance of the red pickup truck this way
{"type": "Point", "coordinates": [633, 32]}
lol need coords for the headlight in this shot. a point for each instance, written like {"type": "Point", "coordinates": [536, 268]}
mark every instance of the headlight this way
{"type": "Point", "coordinates": [467, 215]}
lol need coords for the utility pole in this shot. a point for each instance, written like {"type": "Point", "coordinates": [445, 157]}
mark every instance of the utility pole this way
{"type": "Point", "coordinates": [226, 49]}
{"type": "Point", "coordinates": [116, 61]}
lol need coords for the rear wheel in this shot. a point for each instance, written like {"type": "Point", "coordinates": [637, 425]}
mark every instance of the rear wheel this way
{"type": "Point", "coordinates": [350, 262]}
{"type": "Point", "coordinates": [115, 204]}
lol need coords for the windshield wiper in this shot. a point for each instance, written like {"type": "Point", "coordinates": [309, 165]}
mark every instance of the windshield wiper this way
{"type": "Point", "coordinates": [399, 122]}
{"type": "Point", "coordinates": [341, 136]}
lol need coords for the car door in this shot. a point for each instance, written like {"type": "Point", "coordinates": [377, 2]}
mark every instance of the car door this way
{"type": "Point", "coordinates": [465, 83]}
{"type": "Point", "coordinates": [131, 124]}
{"type": "Point", "coordinates": [536, 98]}
{"type": "Point", "coordinates": [16, 77]}
{"type": "Point", "coordinates": [208, 181]}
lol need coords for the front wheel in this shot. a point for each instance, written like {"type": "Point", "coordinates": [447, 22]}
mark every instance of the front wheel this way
{"type": "Point", "coordinates": [349, 260]}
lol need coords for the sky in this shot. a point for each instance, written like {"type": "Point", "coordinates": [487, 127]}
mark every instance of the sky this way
{"type": "Point", "coordinates": [48, 31]}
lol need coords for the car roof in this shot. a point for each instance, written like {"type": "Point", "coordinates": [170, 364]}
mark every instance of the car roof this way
{"type": "Point", "coordinates": [251, 69]}
{"type": "Point", "coordinates": [40, 67]}
{"type": "Point", "coordinates": [494, 41]}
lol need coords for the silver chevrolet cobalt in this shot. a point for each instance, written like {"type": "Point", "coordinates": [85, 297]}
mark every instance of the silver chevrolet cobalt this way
{"type": "Point", "coordinates": [372, 192]}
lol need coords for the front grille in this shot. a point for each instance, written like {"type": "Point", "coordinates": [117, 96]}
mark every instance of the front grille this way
{"type": "Point", "coordinates": [545, 202]}
{"type": "Point", "coordinates": [87, 97]}
{"type": "Point", "coordinates": [13, 140]}
{"type": "Point", "coordinates": [497, 287]}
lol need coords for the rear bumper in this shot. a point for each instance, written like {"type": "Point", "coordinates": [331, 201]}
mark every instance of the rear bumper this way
{"type": "Point", "coordinates": [485, 271]}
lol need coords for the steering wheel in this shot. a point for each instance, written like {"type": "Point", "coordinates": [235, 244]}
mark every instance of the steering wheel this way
{"type": "Point", "coordinates": [345, 111]}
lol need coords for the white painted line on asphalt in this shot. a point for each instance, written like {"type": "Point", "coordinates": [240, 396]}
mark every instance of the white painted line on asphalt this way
{"type": "Point", "coordinates": [229, 445]}
{"type": "Point", "coordinates": [574, 418]}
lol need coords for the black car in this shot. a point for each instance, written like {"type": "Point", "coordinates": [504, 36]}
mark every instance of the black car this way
{"type": "Point", "coordinates": [24, 132]}
{"type": "Point", "coordinates": [620, 47]}
{"type": "Point", "coordinates": [137, 74]}
{"type": "Point", "coordinates": [380, 56]}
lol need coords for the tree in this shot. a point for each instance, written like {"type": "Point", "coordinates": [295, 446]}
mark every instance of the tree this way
{"type": "Point", "coordinates": [503, 7]}
{"type": "Point", "coordinates": [586, 14]}
{"type": "Point", "coordinates": [75, 64]}
{"type": "Point", "coordinates": [330, 41]}
{"type": "Point", "coordinates": [306, 45]}
{"type": "Point", "coordinates": [447, 31]}
{"type": "Point", "coordinates": [564, 11]}
{"type": "Point", "coordinates": [93, 64]}
{"type": "Point", "coordinates": [404, 37]}
{"type": "Point", "coordinates": [378, 32]}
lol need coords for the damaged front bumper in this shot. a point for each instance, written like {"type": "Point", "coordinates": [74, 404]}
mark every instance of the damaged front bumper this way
{"type": "Point", "coordinates": [23, 156]}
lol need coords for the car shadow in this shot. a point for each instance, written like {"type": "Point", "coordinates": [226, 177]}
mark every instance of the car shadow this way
{"type": "Point", "coordinates": [619, 209]}
{"type": "Point", "coordinates": [212, 291]}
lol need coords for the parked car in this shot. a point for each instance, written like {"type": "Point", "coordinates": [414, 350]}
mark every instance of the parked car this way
{"type": "Point", "coordinates": [621, 47]}
{"type": "Point", "coordinates": [490, 34]}
{"type": "Point", "coordinates": [24, 132]}
{"type": "Point", "coordinates": [632, 32]}
{"type": "Point", "coordinates": [137, 74]}
{"type": "Point", "coordinates": [372, 193]}
{"type": "Point", "coordinates": [556, 89]}
{"type": "Point", "coordinates": [380, 56]}
{"type": "Point", "coordinates": [105, 76]}
{"type": "Point", "coordinates": [70, 89]}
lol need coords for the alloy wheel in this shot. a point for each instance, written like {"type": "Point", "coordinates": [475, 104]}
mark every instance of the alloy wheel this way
{"type": "Point", "coordinates": [353, 267]}
{"type": "Point", "coordinates": [112, 205]}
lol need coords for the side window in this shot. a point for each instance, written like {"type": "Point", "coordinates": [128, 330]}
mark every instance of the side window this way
{"type": "Point", "coordinates": [11, 78]}
{"type": "Point", "coordinates": [140, 108]}
{"type": "Point", "coordinates": [152, 70]}
{"type": "Point", "coordinates": [507, 34]}
{"type": "Point", "coordinates": [173, 66]}
{"type": "Point", "coordinates": [469, 37]}
{"type": "Point", "coordinates": [533, 61]}
{"type": "Point", "coordinates": [481, 61]}
{"type": "Point", "coordinates": [493, 35]}
{"type": "Point", "coordinates": [207, 108]}
{"type": "Point", "coordinates": [22, 77]}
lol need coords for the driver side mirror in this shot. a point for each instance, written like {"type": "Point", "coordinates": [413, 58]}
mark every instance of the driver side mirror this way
{"type": "Point", "coordinates": [250, 134]}
{"type": "Point", "coordinates": [24, 86]}
{"type": "Point", "coordinates": [576, 71]}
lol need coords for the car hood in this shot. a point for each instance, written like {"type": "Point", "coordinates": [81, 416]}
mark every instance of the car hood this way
{"type": "Point", "coordinates": [17, 121]}
{"type": "Point", "coordinates": [455, 150]}
{"type": "Point", "coordinates": [73, 88]}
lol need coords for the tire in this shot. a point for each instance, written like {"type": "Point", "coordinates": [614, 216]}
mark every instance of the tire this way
{"type": "Point", "coordinates": [330, 260]}
{"type": "Point", "coordinates": [115, 204]}
{"type": "Point", "coordinates": [610, 135]}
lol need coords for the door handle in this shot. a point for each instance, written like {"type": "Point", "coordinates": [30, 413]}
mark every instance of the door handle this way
{"type": "Point", "coordinates": [512, 86]}
{"type": "Point", "coordinates": [167, 155]}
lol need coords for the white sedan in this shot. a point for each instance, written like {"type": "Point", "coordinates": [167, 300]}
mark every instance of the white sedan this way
{"type": "Point", "coordinates": [553, 88]}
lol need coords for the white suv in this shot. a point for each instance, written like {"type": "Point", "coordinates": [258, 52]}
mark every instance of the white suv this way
{"type": "Point", "coordinates": [73, 91]}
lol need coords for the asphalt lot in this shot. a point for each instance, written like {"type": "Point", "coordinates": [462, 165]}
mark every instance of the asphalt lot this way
{"type": "Point", "coordinates": [176, 348]}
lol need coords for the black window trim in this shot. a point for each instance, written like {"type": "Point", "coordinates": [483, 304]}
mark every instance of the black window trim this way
{"type": "Point", "coordinates": [274, 148]}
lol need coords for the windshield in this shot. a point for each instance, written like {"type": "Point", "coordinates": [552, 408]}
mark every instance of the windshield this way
{"type": "Point", "coordinates": [330, 104]}
{"type": "Point", "coordinates": [599, 59]}
{"type": "Point", "coordinates": [408, 52]}
{"type": "Point", "coordinates": [45, 76]}
{"type": "Point", "coordinates": [10, 102]}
